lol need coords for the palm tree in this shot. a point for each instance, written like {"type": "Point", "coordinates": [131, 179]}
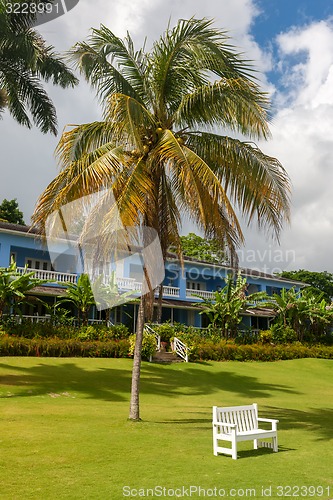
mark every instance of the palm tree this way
{"type": "Point", "coordinates": [26, 60]}
{"type": "Point", "coordinates": [157, 148]}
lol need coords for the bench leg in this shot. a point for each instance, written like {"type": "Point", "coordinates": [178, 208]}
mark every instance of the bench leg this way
{"type": "Point", "coordinates": [255, 444]}
{"type": "Point", "coordinates": [275, 444]}
{"type": "Point", "coordinates": [234, 449]}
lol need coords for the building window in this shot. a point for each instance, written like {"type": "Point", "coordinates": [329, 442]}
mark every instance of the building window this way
{"type": "Point", "coordinates": [194, 285]}
{"type": "Point", "coordinates": [45, 265]}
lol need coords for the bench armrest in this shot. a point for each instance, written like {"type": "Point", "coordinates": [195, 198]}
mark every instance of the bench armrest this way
{"type": "Point", "coordinates": [268, 420]}
{"type": "Point", "coordinates": [272, 421]}
{"type": "Point", "coordinates": [232, 426]}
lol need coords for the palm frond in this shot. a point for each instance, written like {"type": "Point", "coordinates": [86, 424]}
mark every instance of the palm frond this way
{"type": "Point", "coordinates": [188, 57]}
{"type": "Point", "coordinates": [236, 104]}
{"type": "Point", "coordinates": [199, 192]}
{"type": "Point", "coordinates": [25, 62]}
{"type": "Point", "coordinates": [91, 173]}
{"type": "Point", "coordinates": [132, 122]}
{"type": "Point", "coordinates": [24, 90]}
{"type": "Point", "coordinates": [256, 182]}
{"type": "Point", "coordinates": [111, 66]}
{"type": "Point", "coordinates": [82, 139]}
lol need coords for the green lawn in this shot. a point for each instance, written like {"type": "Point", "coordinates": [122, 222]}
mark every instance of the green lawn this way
{"type": "Point", "coordinates": [65, 434]}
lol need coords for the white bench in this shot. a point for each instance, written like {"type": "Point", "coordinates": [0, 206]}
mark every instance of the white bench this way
{"type": "Point", "coordinates": [240, 423]}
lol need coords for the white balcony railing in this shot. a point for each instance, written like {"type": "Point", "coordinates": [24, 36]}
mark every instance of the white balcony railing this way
{"type": "Point", "coordinates": [170, 291]}
{"type": "Point", "coordinates": [50, 275]}
{"type": "Point", "coordinates": [129, 284]}
{"type": "Point", "coordinates": [204, 294]}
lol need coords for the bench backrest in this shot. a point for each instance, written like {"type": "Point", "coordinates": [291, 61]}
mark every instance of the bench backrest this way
{"type": "Point", "coordinates": [245, 417]}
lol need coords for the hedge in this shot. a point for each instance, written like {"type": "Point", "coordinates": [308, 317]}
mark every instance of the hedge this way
{"type": "Point", "coordinates": [204, 350]}
{"type": "Point", "coordinates": [19, 346]}
{"type": "Point", "coordinates": [47, 329]}
{"type": "Point", "coordinates": [229, 351]}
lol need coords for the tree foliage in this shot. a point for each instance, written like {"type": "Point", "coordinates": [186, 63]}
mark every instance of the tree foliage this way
{"type": "Point", "coordinates": [208, 250]}
{"type": "Point", "coordinates": [321, 283]}
{"type": "Point", "coordinates": [10, 212]}
{"type": "Point", "coordinates": [25, 61]}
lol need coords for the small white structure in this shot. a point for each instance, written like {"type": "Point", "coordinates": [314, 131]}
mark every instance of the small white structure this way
{"type": "Point", "coordinates": [240, 423]}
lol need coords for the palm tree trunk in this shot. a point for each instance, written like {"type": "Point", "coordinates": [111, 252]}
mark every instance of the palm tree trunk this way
{"type": "Point", "coordinates": [146, 300]}
{"type": "Point", "coordinates": [134, 413]}
{"type": "Point", "coordinates": [159, 304]}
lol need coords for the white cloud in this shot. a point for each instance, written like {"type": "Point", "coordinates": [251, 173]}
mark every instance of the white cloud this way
{"type": "Point", "coordinates": [309, 77]}
{"type": "Point", "coordinates": [303, 142]}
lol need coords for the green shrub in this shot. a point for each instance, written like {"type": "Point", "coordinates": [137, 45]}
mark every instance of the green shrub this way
{"type": "Point", "coordinates": [148, 345]}
{"type": "Point", "coordinates": [45, 329]}
{"type": "Point", "coordinates": [282, 334]}
{"type": "Point", "coordinates": [48, 329]}
{"type": "Point", "coordinates": [19, 346]}
{"type": "Point", "coordinates": [165, 330]}
{"type": "Point", "coordinates": [265, 337]}
{"type": "Point", "coordinates": [229, 350]}
{"type": "Point", "coordinates": [246, 337]}
{"type": "Point", "coordinates": [87, 333]}
{"type": "Point", "coordinates": [118, 332]}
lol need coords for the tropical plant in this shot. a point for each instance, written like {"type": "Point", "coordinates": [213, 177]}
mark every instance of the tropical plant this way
{"type": "Point", "coordinates": [79, 294]}
{"type": "Point", "coordinates": [225, 307]}
{"type": "Point", "coordinates": [303, 312]}
{"type": "Point", "coordinates": [25, 61]}
{"type": "Point", "coordinates": [14, 287]}
{"type": "Point", "coordinates": [108, 294]}
{"type": "Point", "coordinates": [156, 150]}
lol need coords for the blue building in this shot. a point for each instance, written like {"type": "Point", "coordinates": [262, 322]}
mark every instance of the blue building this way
{"type": "Point", "coordinates": [182, 286]}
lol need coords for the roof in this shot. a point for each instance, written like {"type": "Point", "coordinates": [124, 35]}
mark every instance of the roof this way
{"type": "Point", "coordinates": [47, 290]}
{"type": "Point", "coordinates": [9, 226]}
{"type": "Point", "coordinates": [261, 312]}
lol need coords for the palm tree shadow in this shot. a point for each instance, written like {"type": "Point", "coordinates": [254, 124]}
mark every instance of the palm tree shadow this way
{"type": "Point", "coordinates": [111, 384]}
{"type": "Point", "coordinates": [66, 379]}
{"type": "Point", "coordinates": [318, 421]}
{"type": "Point", "coordinates": [200, 381]}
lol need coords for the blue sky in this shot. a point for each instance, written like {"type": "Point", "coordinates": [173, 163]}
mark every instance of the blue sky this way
{"type": "Point", "coordinates": [281, 15]}
{"type": "Point", "coordinates": [291, 44]}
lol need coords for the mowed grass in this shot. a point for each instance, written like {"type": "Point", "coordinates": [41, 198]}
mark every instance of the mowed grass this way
{"type": "Point", "coordinates": [65, 434]}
